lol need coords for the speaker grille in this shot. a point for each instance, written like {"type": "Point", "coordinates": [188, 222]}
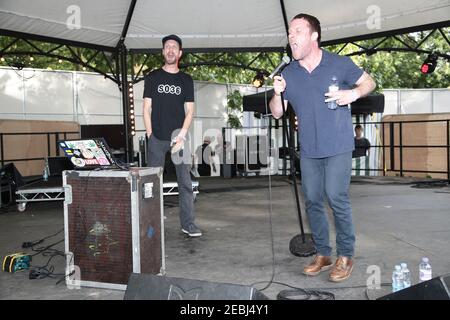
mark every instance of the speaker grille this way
{"type": "Point", "coordinates": [100, 228]}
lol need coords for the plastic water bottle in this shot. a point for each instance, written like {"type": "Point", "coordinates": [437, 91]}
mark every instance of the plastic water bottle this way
{"type": "Point", "coordinates": [406, 275]}
{"type": "Point", "coordinates": [334, 86]}
{"type": "Point", "coordinates": [45, 174]}
{"type": "Point", "coordinates": [425, 273]}
{"type": "Point", "coordinates": [397, 279]}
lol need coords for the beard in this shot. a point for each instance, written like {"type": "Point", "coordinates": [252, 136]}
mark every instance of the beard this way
{"type": "Point", "coordinates": [171, 59]}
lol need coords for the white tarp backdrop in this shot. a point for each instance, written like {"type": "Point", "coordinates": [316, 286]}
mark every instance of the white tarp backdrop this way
{"type": "Point", "coordinates": [89, 98]}
{"type": "Point", "coordinates": [210, 24]}
{"type": "Point", "coordinates": [206, 25]}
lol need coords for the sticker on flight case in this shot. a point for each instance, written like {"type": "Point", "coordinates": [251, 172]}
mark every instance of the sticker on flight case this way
{"type": "Point", "coordinates": [81, 144]}
{"type": "Point", "coordinates": [77, 162]}
{"type": "Point", "coordinates": [87, 153]}
{"type": "Point", "coordinates": [103, 161]}
{"type": "Point", "coordinates": [91, 161]}
{"type": "Point", "coordinates": [98, 153]}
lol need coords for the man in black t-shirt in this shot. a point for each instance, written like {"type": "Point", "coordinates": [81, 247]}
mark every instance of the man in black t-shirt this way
{"type": "Point", "coordinates": [168, 112]}
{"type": "Point", "coordinates": [361, 143]}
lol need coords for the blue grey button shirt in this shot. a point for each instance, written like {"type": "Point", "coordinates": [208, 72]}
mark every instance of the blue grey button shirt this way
{"type": "Point", "coordinates": [322, 132]}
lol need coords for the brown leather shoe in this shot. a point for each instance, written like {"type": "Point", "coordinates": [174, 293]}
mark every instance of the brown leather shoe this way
{"type": "Point", "coordinates": [319, 264]}
{"type": "Point", "coordinates": [341, 269]}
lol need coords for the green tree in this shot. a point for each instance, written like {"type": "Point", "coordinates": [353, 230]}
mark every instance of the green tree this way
{"type": "Point", "coordinates": [234, 109]}
{"type": "Point", "coordinates": [389, 69]}
{"type": "Point", "coordinates": [392, 69]}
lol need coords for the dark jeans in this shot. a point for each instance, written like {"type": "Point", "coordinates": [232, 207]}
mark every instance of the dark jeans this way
{"type": "Point", "coordinates": [157, 150]}
{"type": "Point", "coordinates": [330, 178]}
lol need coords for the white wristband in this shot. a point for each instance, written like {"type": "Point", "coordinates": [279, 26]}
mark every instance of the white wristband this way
{"type": "Point", "coordinates": [182, 134]}
{"type": "Point", "coordinates": [355, 95]}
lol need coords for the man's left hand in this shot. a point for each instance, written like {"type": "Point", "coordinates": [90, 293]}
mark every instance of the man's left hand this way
{"type": "Point", "coordinates": [342, 97]}
{"type": "Point", "coordinates": [182, 135]}
{"type": "Point", "coordinates": [178, 142]}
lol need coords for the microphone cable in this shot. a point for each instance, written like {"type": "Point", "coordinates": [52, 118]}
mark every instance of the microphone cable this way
{"type": "Point", "coordinates": [268, 143]}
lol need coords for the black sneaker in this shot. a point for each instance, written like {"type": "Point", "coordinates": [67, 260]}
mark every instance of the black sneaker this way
{"type": "Point", "coordinates": [192, 231]}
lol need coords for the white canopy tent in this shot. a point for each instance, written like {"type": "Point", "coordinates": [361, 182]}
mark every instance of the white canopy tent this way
{"type": "Point", "coordinates": [123, 26]}
{"type": "Point", "coordinates": [212, 25]}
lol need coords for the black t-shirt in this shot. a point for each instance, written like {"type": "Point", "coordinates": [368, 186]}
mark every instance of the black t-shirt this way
{"type": "Point", "coordinates": [169, 92]}
{"type": "Point", "coordinates": [361, 145]}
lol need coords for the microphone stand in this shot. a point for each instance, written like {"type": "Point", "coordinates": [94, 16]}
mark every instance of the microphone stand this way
{"type": "Point", "coordinates": [301, 245]}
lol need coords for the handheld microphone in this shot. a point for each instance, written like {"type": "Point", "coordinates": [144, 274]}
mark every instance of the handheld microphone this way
{"type": "Point", "coordinates": [286, 60]}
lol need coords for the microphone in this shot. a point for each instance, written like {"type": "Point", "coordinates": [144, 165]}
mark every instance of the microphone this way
{"type": "Point", "coordinates": [286, 60]}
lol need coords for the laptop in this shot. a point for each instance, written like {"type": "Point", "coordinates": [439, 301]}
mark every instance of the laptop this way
{"type": "Point", "coordinates": [90, 154]}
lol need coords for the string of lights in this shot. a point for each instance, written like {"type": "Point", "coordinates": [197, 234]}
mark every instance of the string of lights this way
{"type": "Point", "coordinates": [131, 108]}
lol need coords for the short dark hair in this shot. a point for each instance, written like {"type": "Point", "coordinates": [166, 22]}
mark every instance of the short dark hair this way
{"type": "Point", "coordinates": [314, 24]}
{"type": "Point", "coordinates": [172, 37]}
{"type": "Point", "coordinates": [358, 126]}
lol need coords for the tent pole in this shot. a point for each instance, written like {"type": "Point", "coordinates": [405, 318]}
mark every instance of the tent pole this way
{"type": "Point", "coordinates": [125, 102]}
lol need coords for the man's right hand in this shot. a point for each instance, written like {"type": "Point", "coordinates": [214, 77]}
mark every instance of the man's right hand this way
{"type": "Point", "coordinates": [279, 85]}
{"type": "Point", "coordinates": [149, 134]}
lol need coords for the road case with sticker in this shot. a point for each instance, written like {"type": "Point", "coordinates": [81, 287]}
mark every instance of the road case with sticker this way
{"type": "Point", "coordinates": [114, 226]}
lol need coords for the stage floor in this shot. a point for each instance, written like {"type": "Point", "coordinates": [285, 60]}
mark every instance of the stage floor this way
{"type": "Point", "coordinates": [395, 222]}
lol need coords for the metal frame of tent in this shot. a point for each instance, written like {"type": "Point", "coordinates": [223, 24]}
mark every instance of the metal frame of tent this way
{"type": "Point", "coordinates": [117, 57]}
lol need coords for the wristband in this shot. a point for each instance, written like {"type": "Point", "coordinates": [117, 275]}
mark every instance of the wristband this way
{"type": "Point", "coordinates": [182, 134]}
{"type": "Point", "coordinates": [355, 95]}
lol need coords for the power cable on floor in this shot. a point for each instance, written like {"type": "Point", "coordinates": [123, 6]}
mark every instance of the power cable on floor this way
{"type": "Point", "coordinates": [47, 270]}
{"type": "Point", "coordinates": [30, 244]}
{"type": "Point", "coordinates": [297, 293]}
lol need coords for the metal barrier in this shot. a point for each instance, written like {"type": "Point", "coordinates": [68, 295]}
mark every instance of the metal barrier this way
{"type": "Point", "coordinates": [55, 135]}
{"type": "Point", "coordinates": [384, 147]}
{"type": "Point", "coordinates": [399, 144]}
{"type": "Point", "coordinates": [390, 143]}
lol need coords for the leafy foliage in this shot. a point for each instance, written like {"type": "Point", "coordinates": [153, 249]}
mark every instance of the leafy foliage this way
{"type": "Point", "coordinates": [392, 69]}
{"type": "Point", "coordinates": [389, 68]}
{"type": "Point", "coordinates": [234, 108]}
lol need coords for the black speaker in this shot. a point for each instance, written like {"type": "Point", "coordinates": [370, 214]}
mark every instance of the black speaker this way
{"type": "Point", "coordinates": [152, 287]}
{"type": "Point", "coordinates": [114, 134]}
{"type": "Point", "coordinates": [10, 181]}
{"type": "Point", "coordinates": [373, 103]}
{"type": "Point", "coordinates": [57, 165]}
{"type": "Point", "coordinates": [434, 289]}
{"type": "Point", "coordinates": [12, 173]}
